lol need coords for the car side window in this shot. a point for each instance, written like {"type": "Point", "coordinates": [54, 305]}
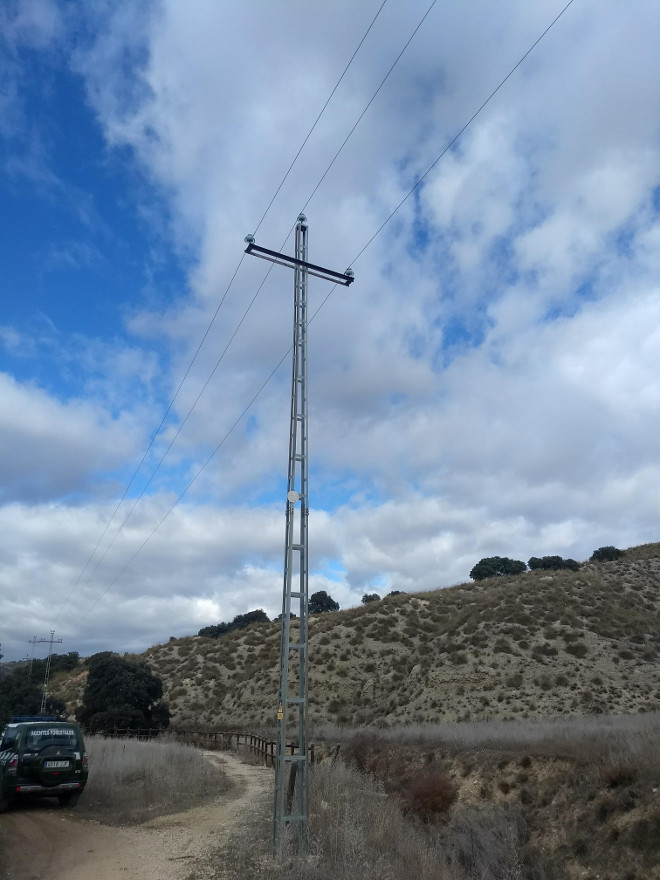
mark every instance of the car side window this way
{"type": "Point", "coordinates": [8, 742]}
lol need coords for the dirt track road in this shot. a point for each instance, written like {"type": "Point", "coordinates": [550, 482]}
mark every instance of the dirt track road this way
{"type": "Point", "coordinates": [52, 844]}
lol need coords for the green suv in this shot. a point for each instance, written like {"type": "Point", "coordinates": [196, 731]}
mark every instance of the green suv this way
{"type": "Point", "coordinates": [42, 757]}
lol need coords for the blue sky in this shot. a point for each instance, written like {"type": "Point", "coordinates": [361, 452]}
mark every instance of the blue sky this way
{"type": "Point", "coordinates": [487, 386]}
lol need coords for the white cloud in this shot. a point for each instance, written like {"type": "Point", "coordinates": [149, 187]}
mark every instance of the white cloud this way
{"type": "Point", "coordinates": [49, 448]}
{"type": "Point", "coordinates": [488, 384]}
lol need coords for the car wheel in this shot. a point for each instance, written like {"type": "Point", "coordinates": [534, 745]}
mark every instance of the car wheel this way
{"type": "Point", "coordinates": [70, 799]}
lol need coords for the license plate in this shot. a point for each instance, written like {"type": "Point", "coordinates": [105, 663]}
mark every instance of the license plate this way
{"type": "Point", "coordinates": [55, 765]}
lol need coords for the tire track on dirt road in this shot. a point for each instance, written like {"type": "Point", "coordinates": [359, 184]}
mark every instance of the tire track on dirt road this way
{"type": "Point", "coordinates": [51, 844]}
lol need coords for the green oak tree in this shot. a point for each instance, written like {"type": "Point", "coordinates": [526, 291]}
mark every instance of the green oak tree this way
{"type": "Point", "coordinates": [496, 566]}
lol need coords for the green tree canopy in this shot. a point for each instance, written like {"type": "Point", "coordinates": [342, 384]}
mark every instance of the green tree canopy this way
{"type": "Point", "coordinates": [120, 693]}
{"type": "Point", "coordinates": [496, 566]}
{"type": "Point", "coordinates": [241, 621]}
{"type": "Point", "coordinates": [58, 662]}
{"type": "Point", "coordinates": [370, 597]}
{"type": "Point", "coordinates": [606, 554]}
{"type": "Point", "coordinates": [551, 563]}
{"type": "Point", "coordinates": [321, 601]}
{"type": "Point", "coordinates": [18, 697]}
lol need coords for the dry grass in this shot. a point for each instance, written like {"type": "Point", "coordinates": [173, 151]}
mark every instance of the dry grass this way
{"type": "Point", "coordinates": [131, 781]}
{"type": "Point", "coordinates": [565, 643]}
{"type": "Point", "coordinates": [356, 830]}
{"type": "Point", "coordinates": [607, 738]}
{"type": "Point", "coordinates": [536, 645]}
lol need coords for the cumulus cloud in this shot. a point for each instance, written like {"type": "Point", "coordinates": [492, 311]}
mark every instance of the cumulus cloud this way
{"type": "Point", "coordinates": [487, 385]}
{"type": "Point", "coordinates": [52, 448]}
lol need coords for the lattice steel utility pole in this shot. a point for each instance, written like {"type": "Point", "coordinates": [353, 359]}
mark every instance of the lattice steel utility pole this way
{"type": "Point", "coordinates": [291, 790]}
{"type": "Point", "coordinates": [34, 643]}
{"type": "Point", "coordinates": [51, 641]}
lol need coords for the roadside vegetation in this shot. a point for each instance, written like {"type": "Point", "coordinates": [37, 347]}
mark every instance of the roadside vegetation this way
{"type": "Point", "coordinates": [604, 738]}
{"type": "Point", "coordinates": [132, 781]}
{"type": "Point", "coordinates": [356, 829]}
{"type": "Point", "coordinates": [568, 799]}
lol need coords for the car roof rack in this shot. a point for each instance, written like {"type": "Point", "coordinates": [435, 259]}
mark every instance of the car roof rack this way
{"type": "Point", "coordinates": [17, 719]}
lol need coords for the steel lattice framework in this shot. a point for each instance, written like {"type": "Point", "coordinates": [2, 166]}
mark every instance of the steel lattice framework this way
{"type": "Point", "coordinates": [291, 764]}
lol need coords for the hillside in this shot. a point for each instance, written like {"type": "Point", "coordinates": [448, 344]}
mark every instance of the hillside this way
{"type": "Point", "coordinates": [530, 645]}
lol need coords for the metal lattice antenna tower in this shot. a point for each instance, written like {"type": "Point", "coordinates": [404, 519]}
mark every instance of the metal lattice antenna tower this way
{"type": "Point", "coordinates": [291, 789]}
{"type": "Point", "coordinates": [51, 641]}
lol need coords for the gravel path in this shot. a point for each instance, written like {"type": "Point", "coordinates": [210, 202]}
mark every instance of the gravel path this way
{"type": "Point", "coordinates": [50, 844]}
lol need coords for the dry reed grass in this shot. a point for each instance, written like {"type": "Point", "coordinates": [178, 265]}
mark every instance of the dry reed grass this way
{"type": "Point", "coordinates": [608, 739]}
{"type": "Point", "coordinates": [131, 781]}
{"type": "Point", "coordinates": [356, 830]}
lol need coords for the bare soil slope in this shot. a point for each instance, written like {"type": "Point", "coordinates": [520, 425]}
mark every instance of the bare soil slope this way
{"type": "Point", "coordinates": [538, 644]}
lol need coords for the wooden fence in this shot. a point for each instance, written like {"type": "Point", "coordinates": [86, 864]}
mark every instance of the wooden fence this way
{"type": "Point", "coordinates": [222, 740]}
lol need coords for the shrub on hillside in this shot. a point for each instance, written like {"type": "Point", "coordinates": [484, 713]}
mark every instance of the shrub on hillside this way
{"type": "Point", "coordinates": [577, 649]}
{"type": "Point", "coordinates": [320, 602]}
{"type": "Point", "coordinates": [370, 753]}
{"type": "Point", "coordinates": [241, 621]}
{"type": "Point", "coordinates": [496, 566]}
{"type": "Point", "coordinates": [370, 597]}
{"type": "Point", "coordinates": [606, 554]}
{"type": "Point", "coordinates": [428, 795]}
{"type": "Point", "coordinates": [552, 563]}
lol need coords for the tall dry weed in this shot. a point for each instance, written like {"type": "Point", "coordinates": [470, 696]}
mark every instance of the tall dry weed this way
{"type": "Point", "coordinates": [610, 739]}
{"type": "Point", "coordinates": [357, 830]}
{"type": "Point", "coordinates": [131, 781]}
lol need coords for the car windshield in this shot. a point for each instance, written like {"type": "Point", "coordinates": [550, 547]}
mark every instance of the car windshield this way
{"type": "Point", "coordinates": [40, 737]}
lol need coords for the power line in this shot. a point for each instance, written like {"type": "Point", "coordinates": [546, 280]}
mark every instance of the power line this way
{"type": "Point", "coordinates": [253, 300]}
{"type": "Point", "coordinates": [142, 460]}
{"type": "Point", "coordinates": [201, 343]}
{"type": "Point", "coordinates": [359, 45]}
{"type": "Point", "coordinates": [191, 483]}
{"type": "Point", "coordinates": [457, 136]}
{"type": "Point", "coordinates": [371, 100]}
{"type": "Point", "coordinates": [330, 293]}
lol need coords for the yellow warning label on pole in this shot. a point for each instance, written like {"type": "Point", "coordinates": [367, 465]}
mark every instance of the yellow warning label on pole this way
{"type": "Point", "coordinates": [280, 713]}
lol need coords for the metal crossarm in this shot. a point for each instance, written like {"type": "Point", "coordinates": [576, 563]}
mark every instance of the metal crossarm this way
{"type": "Point", "coordinates": [344, 278]}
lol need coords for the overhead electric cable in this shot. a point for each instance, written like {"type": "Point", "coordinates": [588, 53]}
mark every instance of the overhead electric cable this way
{"type": "Point", "coordinates": [178, 431]}
{"type": "Point", "coordinates": [146, 452]}
{"type": "Point", "coordinates": [457, 136]}
{"type": "Point", "coordinates": [205, 335]}
{"type": "Point", "coordinates": [302, 146]}
{"type": "Point", "coordinates": [371, 100]}
{"type": "Point", "coordinates": [190, 484]}
{"type": "Point", "coordinates": [334, 287]}
{"type": "Point", "coordinates": [346, 139]}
